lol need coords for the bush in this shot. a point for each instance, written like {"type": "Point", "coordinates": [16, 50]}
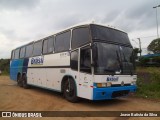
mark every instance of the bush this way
{"type": "Point", "coordinates": [148, 82]}
{"type": "Point", "coordinates": [4, 66]}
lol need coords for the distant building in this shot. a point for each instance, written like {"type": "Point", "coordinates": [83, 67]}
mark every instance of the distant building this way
{"type": "Point", "coordinates": [151, 60]}
{"type": "Point", "coordinates": [151, 55]}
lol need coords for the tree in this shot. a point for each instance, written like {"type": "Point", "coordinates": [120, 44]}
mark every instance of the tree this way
{"type": "Point", "coordinates": [154, 46]}
{"type": "Point", "coordinates": [4, 65]}
{"type": "Point", "coordinates": [136, 51]}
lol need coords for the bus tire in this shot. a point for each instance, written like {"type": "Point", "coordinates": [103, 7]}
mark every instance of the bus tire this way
{"type": "Point", "coordinates": [69, 90]}
{"type": "Point", "coordinates": [24, 81]}
{"type": "Point", "coordinates": [19, 80]}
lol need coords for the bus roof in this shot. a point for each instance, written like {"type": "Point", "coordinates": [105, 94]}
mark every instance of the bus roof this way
{"type": "Point", "coordinates": [71, 27]}
{"type": "Point", "coordinates": [86, 24]}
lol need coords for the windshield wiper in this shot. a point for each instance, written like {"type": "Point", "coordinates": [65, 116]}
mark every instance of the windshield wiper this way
{"type": "Point", "coordinates": [127, 63]}
{"type": "Point", "coordinates": [120, 61]}
{"type": "Point", "coordinates": [110, 71]}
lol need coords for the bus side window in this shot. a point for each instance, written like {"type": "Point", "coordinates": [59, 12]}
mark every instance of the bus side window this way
{"type": "Point", "coordinates": [62, 41]}
{"type": "Point", "coordinates": [45, 42]}
{"type": "Point", "coordinates": [16, 54]}
{"type": "Point", "coordinates": [12, 56]}
{"type": "Point", "coordinates": [50, 44]}
{"type": "Point", "coordinates": [85, 60]}
{"type": "Point", "coordinates": [80, 37]}
{"type": "Point", "coordinates": [22, 52]}
{"type": "Point", "coordinates": [74, 60]}
{"type": "Point", "coordinates": [37, 48]}
{"type": "Point", "coordinates": [29, 49]}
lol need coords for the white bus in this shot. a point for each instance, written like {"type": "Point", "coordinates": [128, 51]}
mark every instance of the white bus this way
{"type": "Point", "coordinates": [88, 61]}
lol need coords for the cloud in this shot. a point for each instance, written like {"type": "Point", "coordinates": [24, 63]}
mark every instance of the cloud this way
{"type": "Point", "coordinates": [17, 4]}
{"type": "Point", "coordinates": [131, 16]}
{"type": "Point", "coordinates": [22, 21]}
{"type": "Point", "coordinates": [140, 17]}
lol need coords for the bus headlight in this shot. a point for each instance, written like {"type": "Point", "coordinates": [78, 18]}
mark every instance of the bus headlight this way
{"type": "Point", "coordinates": [133, 83]}
{"type": "Point", "coordinates": [101, 85]}
{"type": "Point", "coordinates": [108, 84]}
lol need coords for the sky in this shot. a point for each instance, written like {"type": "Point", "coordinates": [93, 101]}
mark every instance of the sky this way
{"type": "Point", "coordinates": [23, 21]}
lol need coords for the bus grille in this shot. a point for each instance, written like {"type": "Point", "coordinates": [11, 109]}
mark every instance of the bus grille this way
{"type": "Point", "coordinates": [120, 93]}
{"type": "Point", "coordinates": [119, 85]}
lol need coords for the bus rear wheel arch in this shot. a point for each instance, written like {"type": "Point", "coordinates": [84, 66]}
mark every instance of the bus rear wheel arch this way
{"type": "Point", "coordinates": [19, 80]}
{"type": "Point", "coordinates": [24, 81]}
{"type": "Point", "coordinates": [69, 89]}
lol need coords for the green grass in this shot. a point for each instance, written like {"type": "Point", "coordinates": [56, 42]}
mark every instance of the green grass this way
{"type": "Point", "coordinates": [148, 82]}
{"type": "Point", "coordinates": [5, 73]}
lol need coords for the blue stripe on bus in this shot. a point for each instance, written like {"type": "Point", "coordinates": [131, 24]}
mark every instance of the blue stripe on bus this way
{"type": "Point", "coordinates": [25, 65]}
{"type": "Point", "coordinates": [106, 93]}
{"type": "Point", "coordinates": [18, 66]}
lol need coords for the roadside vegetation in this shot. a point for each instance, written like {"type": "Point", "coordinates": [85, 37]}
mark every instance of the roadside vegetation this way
{"type": "Point", "coordinates": [148, 82]}
{"type": "Point", "coordinates": [4, 66]}
{"type": "Point", "coordinates": [148, 71]}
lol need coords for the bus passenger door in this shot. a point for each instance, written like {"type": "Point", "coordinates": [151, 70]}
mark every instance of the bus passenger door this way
{"type": "Point", "coordinates": [85, 73]}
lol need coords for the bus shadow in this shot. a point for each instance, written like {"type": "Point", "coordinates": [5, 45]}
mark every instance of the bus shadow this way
{"type": "Point", "coordinates": [46, 91]}
{"type": "Point", "coordinates": [86, 102]}
{"type": "Point", "coordinates": [103, 103]}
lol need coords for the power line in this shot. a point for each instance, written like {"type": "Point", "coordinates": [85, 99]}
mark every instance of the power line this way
{"type": "Point", "coordinates": [135, 41]}
{"type": "Point", "coordinates": [145, 37]}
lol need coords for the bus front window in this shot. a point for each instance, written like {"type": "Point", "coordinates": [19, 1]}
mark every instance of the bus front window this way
{"type": "Point", "coordinates": [113, 59]}
{"type": "Point", "coordinates": [85, 59]}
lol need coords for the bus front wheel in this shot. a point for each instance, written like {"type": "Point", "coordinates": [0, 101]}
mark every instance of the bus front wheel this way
{"type": "Point", "coordinates": [69, 90]}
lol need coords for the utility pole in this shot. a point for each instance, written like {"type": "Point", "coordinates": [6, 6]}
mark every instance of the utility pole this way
{"type": "Point", "coordinates": [140, 46]}
{"type": "Point", "coordinates": [157, 19]}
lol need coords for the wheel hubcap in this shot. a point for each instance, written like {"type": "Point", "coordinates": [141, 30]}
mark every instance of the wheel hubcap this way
{"type": "Point", "coordinates": [69, 90]}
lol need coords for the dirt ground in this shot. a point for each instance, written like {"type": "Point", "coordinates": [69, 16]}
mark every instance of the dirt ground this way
{"type": "Point", "coordinates": [14, 98]}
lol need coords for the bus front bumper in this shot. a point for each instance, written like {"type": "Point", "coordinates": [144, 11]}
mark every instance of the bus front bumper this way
{"type": "Point", "coordinates": [112, 92]}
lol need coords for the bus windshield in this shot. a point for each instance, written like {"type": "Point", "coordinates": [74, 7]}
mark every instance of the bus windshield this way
{"type": "Point", "coordinates": [113, 59]}
{"type": "Point", "coordinates": [105, 34]}
{"type": "Point", "coordinates": [112, 51]}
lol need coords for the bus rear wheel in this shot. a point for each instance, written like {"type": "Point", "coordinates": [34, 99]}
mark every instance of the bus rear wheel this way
{"type": "Point", "coordinates": [24, 81]}
{"type": "Point", "coordinates": [69, 90]}
{"type": "Point", "coordinates": [19, 81]}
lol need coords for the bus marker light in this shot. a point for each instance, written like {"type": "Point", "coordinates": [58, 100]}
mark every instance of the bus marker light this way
{"type": "Point", "coordinates": [109, 84]}
{"type": "Point", "coordinates": [133, 83]}
{"type": "Point", "coordinates": [101, 85]}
